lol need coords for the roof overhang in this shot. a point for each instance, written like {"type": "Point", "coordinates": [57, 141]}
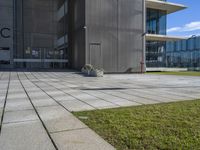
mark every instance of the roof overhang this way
{"type": "Point", "coordinates": [165, 6]}
{"type": "Point", "coordinates": [156, 37]}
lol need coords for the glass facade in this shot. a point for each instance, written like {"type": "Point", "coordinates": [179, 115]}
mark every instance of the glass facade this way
{"type": "Point", "coordinates": [183, 53]}
{"type": "Point", "coordinates": [156, 21]}
{"type": "Point", "coordinates": [40, 34]}
{"type": "Point", "coordinates": [155, 50]}
{"type": "Point", "coordinates": [155, 53]}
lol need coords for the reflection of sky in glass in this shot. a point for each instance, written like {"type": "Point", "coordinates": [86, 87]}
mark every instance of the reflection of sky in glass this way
{"type": "Point", "coordinates": [156, 22]}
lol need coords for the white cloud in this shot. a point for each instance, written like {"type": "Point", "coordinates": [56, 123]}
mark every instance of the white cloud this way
{"type": "Point", "coordinates": [174, 29]}
{"type": "Point", "coordinates": [193, 26]}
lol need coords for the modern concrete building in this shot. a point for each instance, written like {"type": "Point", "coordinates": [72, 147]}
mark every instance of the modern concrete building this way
{"type": "Point", "coordinates": [156, 37]}
{"type": "Point", "coordinates": [108, 34]}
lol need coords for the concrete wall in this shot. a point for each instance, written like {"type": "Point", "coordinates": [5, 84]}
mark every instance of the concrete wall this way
{"type": "Point", "coordinates": [6, 30]}
{"type": "Point", "coordinates": [77, 33]}
{"type": "Point", "coordinates": [102, 33]}
{"type": "Point", "coordinates": [130, 40]}
{"type": "Point", "coordinates": [114, 31]}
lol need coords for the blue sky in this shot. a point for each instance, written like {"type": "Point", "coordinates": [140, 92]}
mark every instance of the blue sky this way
{"type": "Point", "coordinates": [185, 22]}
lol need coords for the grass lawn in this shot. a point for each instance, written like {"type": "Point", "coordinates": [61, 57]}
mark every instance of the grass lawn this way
{"type": "Point", "coordinates": [188, 73]}
{"type": "Point", "coordinates": [161, 126]}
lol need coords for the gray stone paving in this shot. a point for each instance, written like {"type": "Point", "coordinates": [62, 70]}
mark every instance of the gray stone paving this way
{"type": "Point", "coordinates": [35, 106]}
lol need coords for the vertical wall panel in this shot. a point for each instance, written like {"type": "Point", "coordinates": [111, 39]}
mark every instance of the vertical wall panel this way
{"type": "Point", "coordinates": [77, 33]}
{"type": "Point", "coordinates": [118, 26]}
{"type": "Point", "coordinates": [130, 35]}
{"type": "Point", "coordinates": [101, 22]}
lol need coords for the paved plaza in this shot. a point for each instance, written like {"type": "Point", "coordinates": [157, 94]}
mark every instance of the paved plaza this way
{"type": "Point", "coordinates": [35, 107]}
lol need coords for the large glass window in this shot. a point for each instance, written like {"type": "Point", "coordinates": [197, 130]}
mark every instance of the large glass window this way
{"type": "Point", "coordinates": [190, 44]}
{"type": "Point", "coordinates": [155, 53]}
{"type": "Point", "coordinates": [41, 34]}
{"type": "Point", "coordinates": [178, 46]}
{"type": "Point", "coordinates": [186, 53]}
{"type": "Point", "coordinates": [184, 45]}
{"type": "Point", "coordinates": [156, 21]}
{"type": "Point", "coordinates": [198, 43]}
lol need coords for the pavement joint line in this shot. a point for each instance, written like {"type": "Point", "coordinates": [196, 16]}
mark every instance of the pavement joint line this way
{"type": "Point", "coordinates": [4, 106]}
{"type": "Point", "coordinates": [61, 106]}
{"type": "Point", "coordinates": [1, 75]}
{"type": "Point", "coordinates": [65, 93]}
{"type": "Point", "coordinates": [154, 87]}
{"type": "Point", "coordinates": [112, 95]}
{"type": "Point", "coordinates": [117, 97]}
{"type": "Point", "coordinates": [55, 146]}
{"type": "Point", "coordinates": [122, 98]}
{"type": "Point", "coordinates": [54, 98]}
{"type": "Point", "coordinates": [178, 94]}
{"type": "Point", "coordinates": [165, 92]}
{"type": "Point", "coordinates": [13, 122]}
{"type": "Point", "coordinates": [70, 130]}
{"type": "Point", "coordinates": [131, 95]}
{"type": "Point", "coordinates": [86, 93]}
{"type": "Point", "coordinates": [94, 96]}
{"type": "Point", "coordinates": [151, 99]}
{"type": "Point", "coordinates": [46, 106]}
{"type": "Point", "coordinates": [49, 96]}
{"type": "Point", "coordinates": [139, 96]}
{"type": "Point", "coordinates": [18, 110]}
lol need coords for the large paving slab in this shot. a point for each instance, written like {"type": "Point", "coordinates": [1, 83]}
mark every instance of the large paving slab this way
{"type": "Point", "coordinates": [37, 114]}
{"type": "Point", "coordinates": [25, 136]}
{"type": "Point", "coordinates": [18, 104]}
{"type": "Point", "coordinates": [83, 139]}
{"type": "Point", "coordinates": [57, 119]}
{"type": "Point", "coordinates": [76, 105]}
{"type": "Point", "coordinates": [19, 116]}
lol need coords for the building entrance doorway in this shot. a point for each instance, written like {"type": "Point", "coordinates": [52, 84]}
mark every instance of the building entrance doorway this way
{"type": "Point", "coordinates": [96, 55]}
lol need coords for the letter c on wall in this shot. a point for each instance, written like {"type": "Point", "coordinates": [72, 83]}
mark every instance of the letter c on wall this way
{"type": "Point", "coordinates": [3, 32]}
